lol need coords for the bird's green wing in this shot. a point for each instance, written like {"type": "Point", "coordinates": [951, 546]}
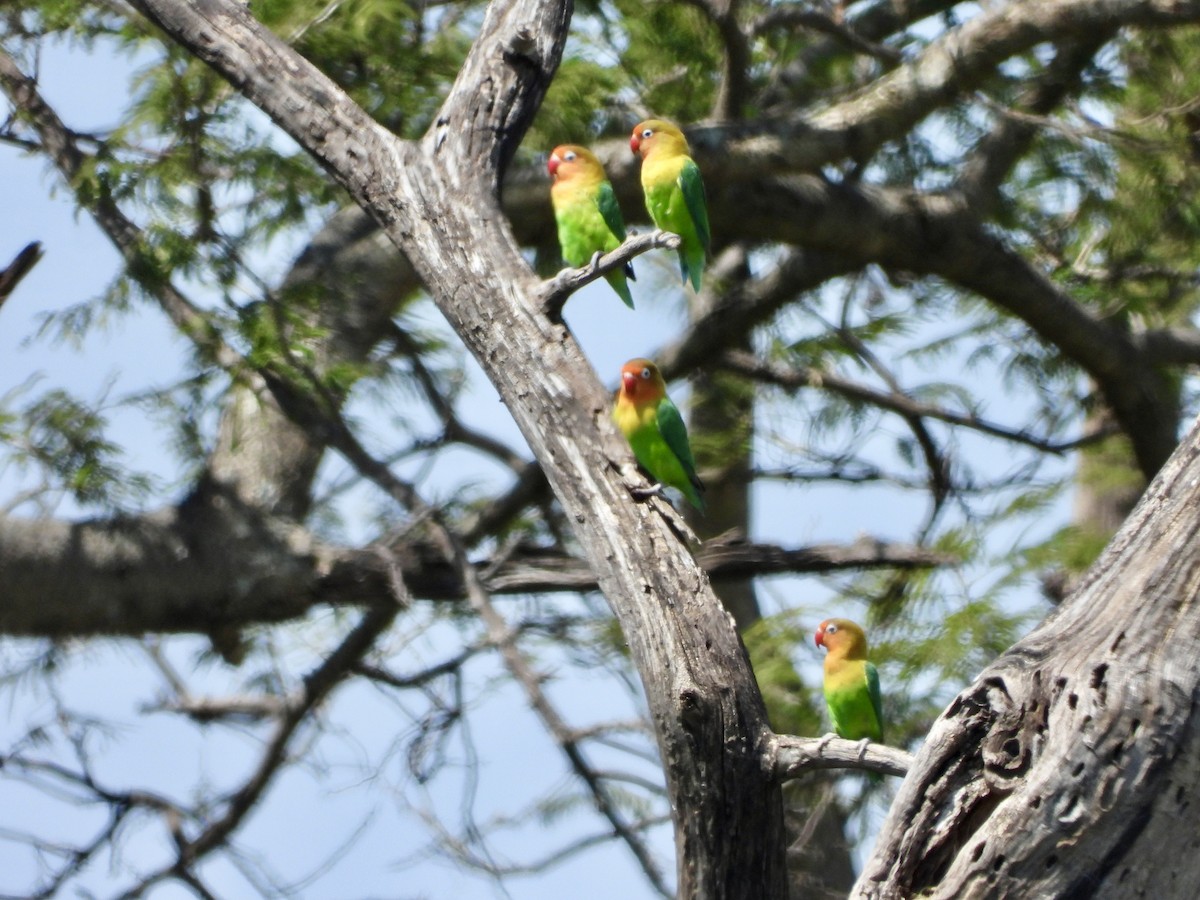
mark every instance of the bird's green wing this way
{"type": "Point", "coordinates": [692, 186]}
{"type": "Point", "coordinates": [610, 211]}
{"type": "Point", "coordinates": [606, 202]}
{"type": "Point", "coordinates": [876, 697]}
{"type": "Point", "coordinates": [674, 432]}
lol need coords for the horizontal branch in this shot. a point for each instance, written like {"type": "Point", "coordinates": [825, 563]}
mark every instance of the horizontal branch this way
{"type": "Point", "coordinates": [241, 708]}
{"type": "Point", "coordinates": [792, 756]}
{"type": "Point", "coordinates": [1170, 346]}
{"type": "Point", "coordinates": [534, 570]}
{"type": "Point", "coordinates": [556, 290]}
{"type": "Point", "coordinates": [789, 17]}
{"type": "Point", "coordinates": [158, 573]}
{"type": "Point", "coordinates": [723, 559]}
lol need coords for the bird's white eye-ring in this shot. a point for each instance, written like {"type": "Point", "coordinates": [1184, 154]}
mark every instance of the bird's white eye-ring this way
{"type": "Point", "coordinates": [830, 629]}
{"type": "Point", "coordinates": [647, 132]}
{"type": "Point", "coordinates": [569, 155]}
{"type": "Point", "coordinates": [646, 373]}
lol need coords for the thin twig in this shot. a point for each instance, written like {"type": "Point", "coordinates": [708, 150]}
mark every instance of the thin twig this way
{"type": "Point", "coordinates": [529, 680]}
{"type": "Point", "coordinates": [792, 379]}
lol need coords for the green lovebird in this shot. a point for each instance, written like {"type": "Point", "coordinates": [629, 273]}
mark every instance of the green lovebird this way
{"type": "Point", "coordinates": [851, 682]}
{"type": "Point", "coordinates": [674, 192]}
{"type": "Point", "coordinates": [585, 208]}
{"type": "Point", "coordinates": [655, 430]}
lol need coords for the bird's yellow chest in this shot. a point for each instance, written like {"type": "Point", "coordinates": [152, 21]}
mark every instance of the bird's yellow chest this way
{"type": "Point", "coordinates": [572, 192]}
{"type": "Point", "coordinates": [630, 418]}
{"type": "Point", "coordinates": [662, 168]}
{"type": "Point", "coordinates": [841, 672]}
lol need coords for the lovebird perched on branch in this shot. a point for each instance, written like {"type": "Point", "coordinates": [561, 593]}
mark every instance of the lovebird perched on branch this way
{"type": "Point", "coordinates": [851, 682]}
{"type": "Point", "coordinates": [585, 208]}
{"type": "Point", "coordinates": [674, 192]}
{"type": "Point", "coordinates": [655, 430]}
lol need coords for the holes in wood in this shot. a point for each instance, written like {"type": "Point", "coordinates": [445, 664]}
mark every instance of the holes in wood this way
{"type": "Point", "coordinates": [1098, 683]}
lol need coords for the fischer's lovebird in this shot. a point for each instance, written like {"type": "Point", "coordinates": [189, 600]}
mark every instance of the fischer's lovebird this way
{"type": "Point", "coordinates": [655, 430]}
{"type": "Point", "coordinates": [585, 208]}
{"type": "Point", "coordinates": [674, 192]}
{"type": "Point", "coordinates": [851, 682]}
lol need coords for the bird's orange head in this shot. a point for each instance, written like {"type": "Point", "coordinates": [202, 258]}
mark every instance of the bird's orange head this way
{"type": "Point", "coordinates": [641, 382]}
{"type": "Point", "coordinates": [843, 637]}
{"type": "Point", "coordinates": [654, 133]}
{"type": "Point", "coordinates": [567, 160]}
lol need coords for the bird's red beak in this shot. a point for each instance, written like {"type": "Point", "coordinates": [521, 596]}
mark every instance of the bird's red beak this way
{"type": "Point", "coordinates": [819, 638]}
{"type": "Point", "coordinates": [635, 143]}
{"type": "Point", "coordinates": [629, 383]}
{"type": "Point", "coordinates": [552, 164]}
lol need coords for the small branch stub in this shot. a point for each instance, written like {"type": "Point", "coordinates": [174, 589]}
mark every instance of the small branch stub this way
{"type": "Point", "coordinates": [556, 290]}
{"type": "Point", "coordinates": [793, 756]}
{"type": "Point", "coordinates": [12, 274]}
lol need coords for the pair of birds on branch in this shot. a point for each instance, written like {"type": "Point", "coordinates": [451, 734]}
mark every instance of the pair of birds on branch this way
{"type": "Point", "coordinates": [589, 224]}
{"type": "Point", "coordinates": [589, 218]}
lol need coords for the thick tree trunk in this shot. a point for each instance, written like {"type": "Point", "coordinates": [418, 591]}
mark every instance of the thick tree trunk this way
{"type": "Point", "coordinates": [437, 201]}
{"type": "Point", "coordinates": [1069, 767]}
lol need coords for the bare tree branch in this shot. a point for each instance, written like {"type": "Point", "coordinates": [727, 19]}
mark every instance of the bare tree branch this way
{"type": "Point", "coordinates": [522, 671]}
{"type": "Point", "coordinates": [317, 684]}
{"type": "Point", "coordinates": [1171, 346]}
{"type": "Point", "coordinates": [100, 577]}
{"type": "Point", "coordinates": [12, 274]}
{"type": "Point", "coordinates": [556, 291]}
{"type": "Point", "coordinates": [792, 757]}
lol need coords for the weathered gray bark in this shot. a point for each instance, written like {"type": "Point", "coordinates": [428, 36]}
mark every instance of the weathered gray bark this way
{"type": "Point", "coordinates": [1068, 768]}
{"type": "Point", "coordinates": [429, 197]}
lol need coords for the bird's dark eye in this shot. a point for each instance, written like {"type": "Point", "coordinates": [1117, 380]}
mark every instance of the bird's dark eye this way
{"type": "Point", "coordinates": [830, 629]}
{"type": "Point", "coordinates": [646, 132]}
{"type": "Point", "coordinates": [646, 374]}
{"type": "Point", "coordinates": [569, 155]}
